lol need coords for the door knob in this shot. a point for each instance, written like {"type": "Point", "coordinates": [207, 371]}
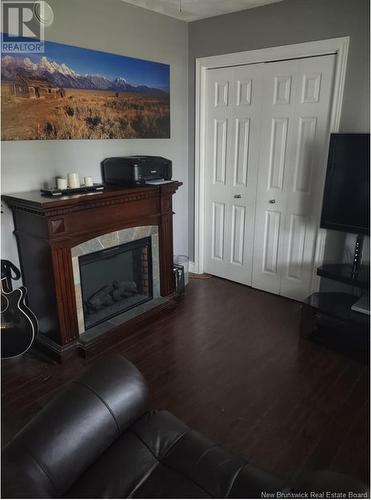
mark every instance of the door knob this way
{"type": "Point", "coordinates": [272, 201]}
{"type": "Point", "coordinates": [237, 196]}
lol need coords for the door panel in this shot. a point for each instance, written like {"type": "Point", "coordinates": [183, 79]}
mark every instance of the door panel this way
{"type": "Point", "coordinates": [282, 90]}
{"type": "Point", "coordinates": [232, 138]}
{"type": "Point", "coordinates": [298, 225]}
{"type": "Point", "coordinates": [310, 88]}
{"type": "Point", "coordinates": [220, 150]}
{"type": "Point", "coordinates": [244, 92]}
{"type": "Point", "coordinates": [221, 93]}
{"type": "Point", "coordinates": [218, 231]}
{"type": "Point", "coordinates": [238, 234]}
{"type": "Point", "coordinates": [271, 239]}
{"type": "Point", "coordinates": [292, 178]}
{"type": "Point", "coordinates": [304, 154]}
{"type": "Point", "coordinates": [277, 153]}
{"type": "Point", "coordinates": [313, 84]}
{"type": "Point", "coordinates": [241, 153]}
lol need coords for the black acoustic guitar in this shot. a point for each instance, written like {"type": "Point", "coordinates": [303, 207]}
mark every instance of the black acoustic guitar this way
{"type": "Point", "coordinates": [19, 325]}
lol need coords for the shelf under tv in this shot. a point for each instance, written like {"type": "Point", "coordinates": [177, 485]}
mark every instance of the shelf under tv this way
{"type": "Point", "coordinates": [337, 305]}
{"type": "Point", "coordinates": [332, 311]}
{"type": "Point", "coordinates": [343, 273]}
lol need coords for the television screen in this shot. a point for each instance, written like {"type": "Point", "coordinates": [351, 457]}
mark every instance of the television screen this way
{"type": "Point", "coordinates": [346, 199]}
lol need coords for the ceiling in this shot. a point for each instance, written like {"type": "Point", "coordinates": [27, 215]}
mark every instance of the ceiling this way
{"type": "Point", "coordinates": [191, 10]}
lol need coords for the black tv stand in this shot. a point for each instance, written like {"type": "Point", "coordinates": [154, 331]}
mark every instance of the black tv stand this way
{"type": "Point", "coordinates": [331, 311]}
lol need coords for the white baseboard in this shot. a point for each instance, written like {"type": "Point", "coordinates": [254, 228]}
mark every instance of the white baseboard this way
{"type": "Point", "coordinates": [192, 268]}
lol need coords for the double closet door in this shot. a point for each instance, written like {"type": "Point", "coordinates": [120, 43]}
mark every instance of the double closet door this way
{"type": "Point", "coordinates": [267, 132]}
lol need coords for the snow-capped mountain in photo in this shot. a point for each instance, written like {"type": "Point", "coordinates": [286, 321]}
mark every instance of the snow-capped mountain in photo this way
{"type": "Point", "coordinates": [62, 75]}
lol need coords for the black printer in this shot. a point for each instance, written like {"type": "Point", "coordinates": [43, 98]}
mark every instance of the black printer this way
{"type": "Point", "coordinates": [135, 170]}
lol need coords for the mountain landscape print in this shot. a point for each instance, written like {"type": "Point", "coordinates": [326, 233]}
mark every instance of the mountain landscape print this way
{"type": "Point", "coordinates": [74, 93]}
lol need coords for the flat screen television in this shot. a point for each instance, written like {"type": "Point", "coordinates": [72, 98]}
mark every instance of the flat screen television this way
{"type": "Point", "coordinates": [346, 199]}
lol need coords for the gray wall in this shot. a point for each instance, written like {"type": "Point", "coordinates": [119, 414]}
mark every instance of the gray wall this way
{"type": "Point", "coordinates": [110, 26]}
{"type": "Point", "coordinates": [283, 23]}
{"type": "Point", "coordinates": [113, 26]}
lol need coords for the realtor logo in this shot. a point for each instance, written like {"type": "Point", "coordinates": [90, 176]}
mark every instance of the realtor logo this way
{"type": "Point", "coordinates": [22, 31]}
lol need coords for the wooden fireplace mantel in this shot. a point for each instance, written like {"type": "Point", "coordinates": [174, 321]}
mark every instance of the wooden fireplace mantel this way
{"type": "Point", "coordinates": [47, 228]}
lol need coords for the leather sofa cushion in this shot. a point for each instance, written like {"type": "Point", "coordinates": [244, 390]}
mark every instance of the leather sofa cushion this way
{"type": "Point", "coordinates": [160, 457]}
{"type": "Point", "coordinates": [73, 430]}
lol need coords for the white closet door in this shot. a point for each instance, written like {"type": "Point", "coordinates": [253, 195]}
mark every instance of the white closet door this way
{"type": "Point", "coordinates": [233, 111]}
{"type": "Point", "coordinates": [294, 139]}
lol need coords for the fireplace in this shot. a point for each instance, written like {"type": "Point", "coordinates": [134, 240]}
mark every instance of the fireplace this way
{"type": "Point", "coordinates": [61, 240]}
{"type": "Point", "coordinates": [115, 280]}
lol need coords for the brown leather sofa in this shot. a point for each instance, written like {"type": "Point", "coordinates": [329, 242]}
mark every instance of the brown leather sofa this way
{"type": "Point", "coordinates": [97, 439]}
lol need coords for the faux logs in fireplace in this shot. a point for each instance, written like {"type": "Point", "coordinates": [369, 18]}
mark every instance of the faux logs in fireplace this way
{"type": "Point", "coordinates": [115, 280]}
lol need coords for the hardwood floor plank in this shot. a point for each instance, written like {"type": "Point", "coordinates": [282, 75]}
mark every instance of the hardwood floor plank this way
{"type": "Point", "coordinates": [353, 455]}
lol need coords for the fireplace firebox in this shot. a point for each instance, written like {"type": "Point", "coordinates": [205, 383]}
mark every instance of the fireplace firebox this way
{"type": "Point", "coordinates": [115, 280]}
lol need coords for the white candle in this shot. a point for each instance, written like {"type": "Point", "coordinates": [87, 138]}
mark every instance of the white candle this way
{"type": "Point", "coordinates": [88, 181]}
{"type": "Point", "coordinates": [73, 181]}
{"type": "Point", "coordinates": [61, 183]}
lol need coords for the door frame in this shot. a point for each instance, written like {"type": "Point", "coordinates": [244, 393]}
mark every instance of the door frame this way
{"type": "Point", "coordinates": [338, 46]}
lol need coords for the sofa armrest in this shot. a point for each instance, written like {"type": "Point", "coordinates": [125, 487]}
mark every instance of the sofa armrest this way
{"type": "Point", "coordinates": [73, 430]}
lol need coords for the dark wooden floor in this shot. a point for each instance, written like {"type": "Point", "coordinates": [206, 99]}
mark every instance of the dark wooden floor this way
{"type": "Point", "coordinates": [229, 361]}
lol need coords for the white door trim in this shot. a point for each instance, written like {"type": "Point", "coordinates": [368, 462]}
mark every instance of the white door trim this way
{"type": "Point", "coordinates": [339, 46]}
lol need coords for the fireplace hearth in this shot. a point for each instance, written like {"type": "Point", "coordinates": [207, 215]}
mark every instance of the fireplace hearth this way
{"type": "Point", "coordinates": [115, 280]}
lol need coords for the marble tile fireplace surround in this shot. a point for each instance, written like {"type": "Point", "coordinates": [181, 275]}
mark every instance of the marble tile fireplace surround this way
{"type": "Point", "coordinates": [70, 249]}
{"type": "Point", "coordinates": [96, 246]}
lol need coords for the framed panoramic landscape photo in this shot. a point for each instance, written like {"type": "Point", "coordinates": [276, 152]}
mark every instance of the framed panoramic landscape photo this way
{"type": "Point", "coordinates": [74, 93]}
